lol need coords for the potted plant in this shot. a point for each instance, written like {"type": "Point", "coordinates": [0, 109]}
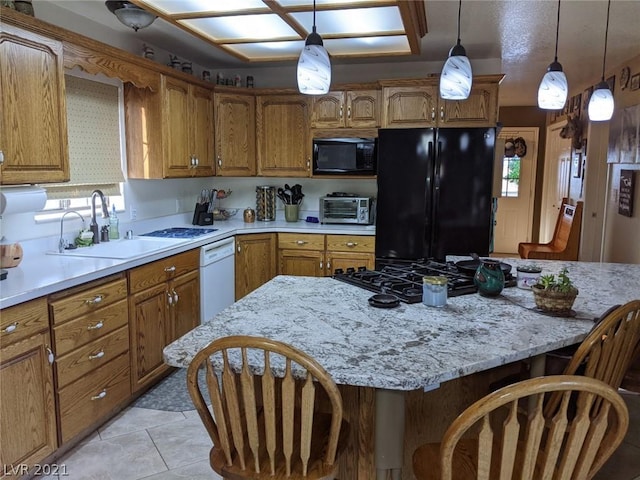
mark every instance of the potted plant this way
{"type": "Point", "coordinates": [555, 295]}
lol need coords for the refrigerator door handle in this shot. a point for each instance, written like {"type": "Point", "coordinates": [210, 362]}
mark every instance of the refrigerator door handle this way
{"type": "Point", "coordinates": [437, 163]}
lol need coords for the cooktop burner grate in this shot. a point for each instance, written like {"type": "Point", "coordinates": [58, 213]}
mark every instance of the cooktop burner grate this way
{"type": "Point", "coordinates": [179, 232]}
{"type": "Point", "coordinates": [404, 280]}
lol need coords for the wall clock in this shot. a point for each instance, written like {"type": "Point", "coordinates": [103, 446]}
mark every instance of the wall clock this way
{"type": "Point", "coordinates": [624, 77]}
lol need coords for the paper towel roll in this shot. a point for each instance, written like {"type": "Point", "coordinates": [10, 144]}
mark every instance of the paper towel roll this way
{"type": "Point", "coordinates": [22, 199]}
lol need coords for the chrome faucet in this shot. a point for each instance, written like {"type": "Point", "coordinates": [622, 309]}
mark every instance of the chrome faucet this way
{"type": "Point", "coordinates": [61, 243]}
{"type": "Point", "coordinates": [93, 226]}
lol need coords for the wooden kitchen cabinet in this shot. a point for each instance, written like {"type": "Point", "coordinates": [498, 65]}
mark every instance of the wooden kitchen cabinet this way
{"type": "Point", "coordinates": [479, 110]}
{"type": "Point", "coordinates": [164, 303]}
{"type": "Point", "coordinates": [255, 261]}
{"type": "Point", "coordinates": [169, 132]}
{"type": "Point", "coordinates": [320, 255]}
{"type": "Point", "coordinates": [235, 134]}
{"type": "Point", "coordinates": [409, 106]}
{"type": "Point", "coordinates": [91, 342]}
{"type": "Point", "coordinates": [347, 109]}
{"type": "Point", "coordinates": [27, 407]}
{"type": "Point", "coordinates": [283, 136]}
{"type": "Point", "coordinates": [33, 135]}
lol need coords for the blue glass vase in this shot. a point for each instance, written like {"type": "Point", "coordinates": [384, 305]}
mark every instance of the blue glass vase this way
{"type": "Point", "coordinates": [489, 278]}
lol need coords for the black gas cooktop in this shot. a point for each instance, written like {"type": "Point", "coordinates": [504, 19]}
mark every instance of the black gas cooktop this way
{"type": "Point", "coordinates": [404, 280]}
{"type": "Point", "coordinates": [180, 232]}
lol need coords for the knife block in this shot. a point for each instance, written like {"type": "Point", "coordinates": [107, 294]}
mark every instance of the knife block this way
{"type": "Point", "coordinates": [201, 215]}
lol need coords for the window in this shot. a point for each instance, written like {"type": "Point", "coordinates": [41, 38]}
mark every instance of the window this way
{"type": "Point", "coordinates": [510, 176]}
{"type": "Point", "coordinates": [95, 133]}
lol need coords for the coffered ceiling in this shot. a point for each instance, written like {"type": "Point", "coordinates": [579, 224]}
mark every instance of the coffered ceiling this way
{"type": "Point", "coordinates": [514, 37]}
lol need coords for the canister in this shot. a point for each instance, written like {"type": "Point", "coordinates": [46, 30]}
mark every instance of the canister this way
{"type": "Point", "coordinates": [528, 275]}
{"type": "Point", "coordinates": [249, 215]}
{"type": "Point", "coordinates": [434, 291]}
{"type": "Point", "coordinates": [265, 203]}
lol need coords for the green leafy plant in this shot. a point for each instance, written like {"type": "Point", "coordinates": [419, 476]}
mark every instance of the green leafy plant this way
{"type": "Point", "coordinates": [561, 284]}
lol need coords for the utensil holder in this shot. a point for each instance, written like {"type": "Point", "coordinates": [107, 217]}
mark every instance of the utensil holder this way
{"type": "Point", "coordinates": [201, 215]}
{"type": "Point", "coordinates": [266, 203]}
{"type": "Point", "coordinates": [291, 213]}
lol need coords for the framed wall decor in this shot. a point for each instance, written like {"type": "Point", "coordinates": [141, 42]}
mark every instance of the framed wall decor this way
{"type": "Point", "coordinates": [625, 195]}
{"type": "Point", "coordinates": [635, 82]}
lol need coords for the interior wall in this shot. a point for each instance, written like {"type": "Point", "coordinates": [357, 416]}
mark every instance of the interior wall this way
{"type": "Point", "coordinates": [530, 116]}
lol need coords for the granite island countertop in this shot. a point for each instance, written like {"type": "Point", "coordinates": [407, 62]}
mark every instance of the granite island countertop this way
{"type": "Point", "coordinates": [412, 346]}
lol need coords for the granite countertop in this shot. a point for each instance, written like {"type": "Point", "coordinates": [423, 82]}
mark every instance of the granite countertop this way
{"type": "Point", "coordinates": [412, 346]}
{"type": "Point", "coordinates": [40, 274]}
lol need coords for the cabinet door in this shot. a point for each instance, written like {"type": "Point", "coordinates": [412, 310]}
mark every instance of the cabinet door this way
{"type": "Point", "coordinates": [328, 111]}
{"type": "Point", "coordinates": [235, 135]}
{"type": "Point", "coordinates": [177, 118]}
{"type": "Point", "coordinates": [410, 106]}
{"type": "Point", "coordinates": [255, 261]}
{"type": "Point", "coordinates": [185, 307]}
{"type": "Point", "coordinates": [284, 139]}
{"type": "Point", "coordinates": [307, 263]}
{"type": "Point", "coordinates": [202, 136]}
{"type": "Point", "coordinates": [33, 135]}
{"type": "Point", "coordinates": [363, 109]}
{"type": "Point", "coordinates": [27, 414]}
{"type": "Point", "coordinates": [479, 110]}
{"type": "Point", "coordinates": [344, 260]}
{"type": "Point", "coordinates": [149, 317]}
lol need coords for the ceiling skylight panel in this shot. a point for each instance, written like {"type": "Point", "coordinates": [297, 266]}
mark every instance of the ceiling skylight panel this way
{"type": "Point", "coordinates": [171, 7]}
{"type": "Point", "coordinates": [268, 50]}
{"type": "Point", "coordinates": [306, 3]}
{"type": "Point", "coordinates": [268, 26]}
{"type": "Point", "coordinates": [345, 47]}
{"type": "Point", "coordinates": [353, 21]}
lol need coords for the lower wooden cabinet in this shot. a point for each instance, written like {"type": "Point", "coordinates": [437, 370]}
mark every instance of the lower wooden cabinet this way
{"type": "Point", "coordinates": [316, 255]}
{"type": "Point", "coordinates": [164, 304]}
{"type": "Point", "coordinates": [255, 261]}
{"type": "Point", "coordinates": [27, 406]}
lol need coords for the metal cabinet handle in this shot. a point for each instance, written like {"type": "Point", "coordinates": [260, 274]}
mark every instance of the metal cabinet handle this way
{"type": "Point", "coordinates": [1, 157]}
{"type": "Point", "coordinates": [441, 113]}
{"type": "Point", "coordinates": [175, 297]}
{"type": "Point", "coordinates": [349, 112]}
{"type": "Point", "coordinates": [321, 265]}
{"type": "Point", "coordinates": [95, 356]}
{"type": "Point", "coordinates": [239, 249]}
{"type": "Point", "coordinates": [101, 395]}
{"type": "Point", "coordinates": [341, 107]}
{"type": "Point", "coordinates": [219, 161]}
{"type": "Point", "coordinates": [352, 244]}
{"type": "Point", "coordinates": [96, 326]}
{"type": "Point", "coordinates": [308, 163]}
{"type": "Point", "coordinates": [301, 242]}
{"type": "Point", "coordinates": [170, 269]}
{"type": "Point", "coordinates": [169, 299]}
{"type": "Point", "coordinates": [95, 300]}
{"type": "Point", "coordinates": [433, 113]}
{"type": "Point", "coordinates": [50, 356]}
{"type": "Point", "coordinates": [329, 267]}
{"type": "Point", "coordinates": [197, 162]}
{"type": "Point", "coordinates": [10, 328]}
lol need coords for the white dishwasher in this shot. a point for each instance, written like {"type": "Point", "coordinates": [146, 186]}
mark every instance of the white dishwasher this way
{"type": "Point", "coordinates": [217, 277]}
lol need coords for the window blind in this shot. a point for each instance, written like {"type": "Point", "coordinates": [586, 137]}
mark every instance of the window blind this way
{"type": "Point", "coordinates": [93, 123]}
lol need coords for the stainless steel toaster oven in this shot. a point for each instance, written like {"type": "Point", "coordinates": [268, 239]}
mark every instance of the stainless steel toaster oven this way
{"type": "Point", "coordinates": [344, 208]}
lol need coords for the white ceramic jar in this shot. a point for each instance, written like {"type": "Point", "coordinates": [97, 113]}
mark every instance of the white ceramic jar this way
{"type": "Point", "coordinates": [527, 276]}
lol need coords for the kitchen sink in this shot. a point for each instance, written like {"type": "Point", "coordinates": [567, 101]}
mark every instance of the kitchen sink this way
{"type": "Point", "coordinates": [121, 249]}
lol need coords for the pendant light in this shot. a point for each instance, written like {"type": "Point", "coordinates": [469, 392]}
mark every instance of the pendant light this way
{"type": "Point", "coordinates": [314, 66]}
{"type": "Point", "coordinates": [456, 77]}
{"type": "Point", "coordinates": [601, 102]}
{"type": "Point", "coordinates": [553, 90]}
{"type": "Point", "coordinates": [130, 15]}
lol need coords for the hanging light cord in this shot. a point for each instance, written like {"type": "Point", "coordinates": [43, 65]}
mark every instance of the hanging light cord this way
{"type": "Point", "coordinates": [459, 11]}
{"type": "Point", "coordinates": [606, 35]}
{"type": "Point", "coordinates": [314, 15]}
{"type": "Point", "coordinates": [557, 31]}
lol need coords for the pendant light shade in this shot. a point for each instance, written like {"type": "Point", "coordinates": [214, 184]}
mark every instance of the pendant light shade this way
{"type": "Point", "coordinates": [553, 90]}
{"type": "Point", "coordinates": [601, 103]}
{"type": "Point", "coordinates": [314, 66]}
{"type": "Point", "coordinates": [456, 77]}
{"type": "Point", "coordinates": [130, 15]}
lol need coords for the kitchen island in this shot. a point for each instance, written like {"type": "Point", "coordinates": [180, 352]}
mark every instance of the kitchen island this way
{"type": "Point", "coordinates": [400, 356]}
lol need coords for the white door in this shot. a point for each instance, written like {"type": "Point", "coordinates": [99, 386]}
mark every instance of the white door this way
{"type": "Point", "coordinates": [514, 214]}
{"type": "Point", "coordinates": [557, 171]}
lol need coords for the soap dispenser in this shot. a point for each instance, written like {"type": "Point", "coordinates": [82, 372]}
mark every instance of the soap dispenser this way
{"type": "Point", "coordinates": [114, 234]}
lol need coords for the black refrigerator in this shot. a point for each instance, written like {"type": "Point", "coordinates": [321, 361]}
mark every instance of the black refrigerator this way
{"type": "Point", "coordinates": [434, 193]}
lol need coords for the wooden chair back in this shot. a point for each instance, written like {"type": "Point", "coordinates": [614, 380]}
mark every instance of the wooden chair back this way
{"type": "Point", "coordinates": [491, 440]}
{"type": "Point", "coordinates": [565, 243]}
{"type": "Point", "coordinates": [608, 351]}
{"type": "Point", "coordinates": [264, 423]}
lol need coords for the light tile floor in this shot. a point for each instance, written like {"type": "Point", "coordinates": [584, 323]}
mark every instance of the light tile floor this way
{"type": "Point", "coordinates": [157, 445]}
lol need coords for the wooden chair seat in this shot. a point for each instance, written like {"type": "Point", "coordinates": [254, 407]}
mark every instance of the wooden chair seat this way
{"type": "Point", "coordinates": [565, 243]}
{"type": "Point", "coordinates": [277, 414]}
{"type": "Point", "coordinates": [492, 440]}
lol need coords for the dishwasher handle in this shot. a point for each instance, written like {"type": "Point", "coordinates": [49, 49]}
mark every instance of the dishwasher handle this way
{"type": "Point", "coordinates": [216, 251]}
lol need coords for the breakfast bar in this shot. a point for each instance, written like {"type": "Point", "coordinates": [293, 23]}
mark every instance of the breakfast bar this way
{"type": "Point", "coordinates": [421, 365]}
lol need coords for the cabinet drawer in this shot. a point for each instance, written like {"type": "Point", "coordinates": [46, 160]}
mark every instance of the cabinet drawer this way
{"type": "Point", "coordinates": [91, 356]}
{"type": "Point", "coordinates": [22, 321]}
{"type": "Point", "coordinates": [300, 241]}
{"type": "Point", "coordinates": [85, 401]}
{"type": "Point", "coordinates": [87, 328]}
{"type": "Point", "coordinates": [351, 243]}
{"type": "Point", "coordinates": [87, 301]}
{"type": "Point", "coordinates": [155, 273]}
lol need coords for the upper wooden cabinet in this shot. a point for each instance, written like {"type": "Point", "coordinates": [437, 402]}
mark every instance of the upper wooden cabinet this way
{"type": "Point", "coordinates": [169, 133]}
{"type": "Point", "coordinates": [235, 136]}
{"type": "Point", "coordinates": [347, 109]}
{"type": "Point", "coordinates": [283, 135]}
{"type": "Point", "coordinates": [33, 132]}
{"type": "Point", "coordinates": [416, 103]}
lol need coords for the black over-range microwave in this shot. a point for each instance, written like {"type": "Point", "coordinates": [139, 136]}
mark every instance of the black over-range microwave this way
{"type": "Point", "coordinates": [345, 156]}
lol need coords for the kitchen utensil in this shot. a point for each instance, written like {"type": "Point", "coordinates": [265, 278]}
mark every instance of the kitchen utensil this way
{"type": "Point", "coordinates": [469, 267]}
